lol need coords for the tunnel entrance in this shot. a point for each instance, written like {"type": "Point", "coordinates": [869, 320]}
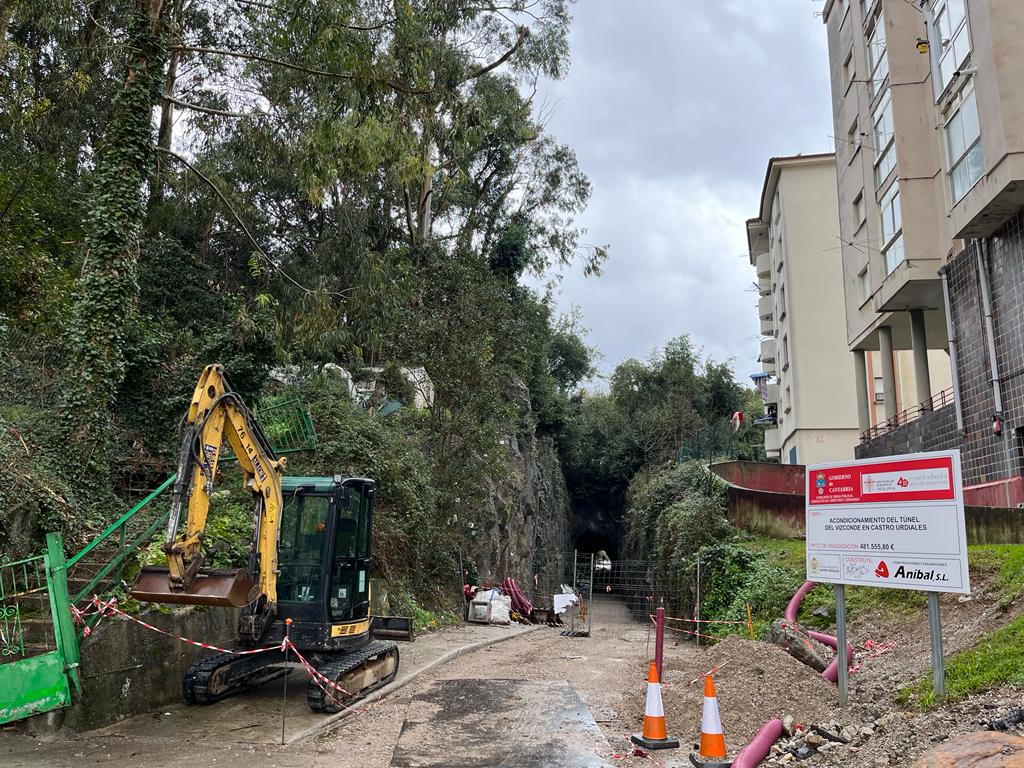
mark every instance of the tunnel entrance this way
{"type": "Point", "coordinates": [596, 529]}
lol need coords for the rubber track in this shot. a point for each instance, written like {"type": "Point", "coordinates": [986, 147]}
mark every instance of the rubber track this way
{"type": "Point", "coordinates": [319, 701]}
{"type": "Point", "coordinates": [195, 683]}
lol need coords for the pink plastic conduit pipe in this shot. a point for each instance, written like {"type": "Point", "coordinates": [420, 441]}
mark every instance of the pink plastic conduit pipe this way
{"type": "Point", "coordinates": [758, 749]}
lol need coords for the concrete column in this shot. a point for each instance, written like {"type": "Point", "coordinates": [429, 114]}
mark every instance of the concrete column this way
{"type": "Point", "coordinates": [888, 370]}
{"type": "Point", "coordinates": [860, 369]}
{"type": "Point", "coordinates": [922, 379]}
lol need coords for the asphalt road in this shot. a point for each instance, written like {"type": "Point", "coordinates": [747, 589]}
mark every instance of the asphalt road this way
{"type": "Point", "coordinates": [538, 699]}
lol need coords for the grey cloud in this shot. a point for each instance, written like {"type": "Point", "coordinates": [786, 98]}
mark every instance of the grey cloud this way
{"type": "Point", "coordinates": [674, 108]}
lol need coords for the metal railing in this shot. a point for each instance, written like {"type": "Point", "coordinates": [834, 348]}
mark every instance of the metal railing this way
{"type": "Point", "coordinates": [287, 426]}
{"type": "Point", "coordinates": [117, 544]}
{"type": "Point", "coordinates": [904, 417]}
{"type": "Point", "coordinates": [23, 591]}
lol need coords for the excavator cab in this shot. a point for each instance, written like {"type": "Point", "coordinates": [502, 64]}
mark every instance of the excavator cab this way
{"type": "Point", "coordinates": [324, 560]}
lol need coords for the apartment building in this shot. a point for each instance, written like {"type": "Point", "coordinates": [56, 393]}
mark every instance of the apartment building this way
{"type": "Point", "coordinates": [794, 248]}
{"type": "Point", "coordinates": [928, 107]}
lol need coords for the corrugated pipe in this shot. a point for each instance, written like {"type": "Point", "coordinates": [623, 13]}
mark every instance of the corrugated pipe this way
{"type": "Point", "coordinates": [759, 747]}
{"type": "Point", "coordinates": [951, 337]}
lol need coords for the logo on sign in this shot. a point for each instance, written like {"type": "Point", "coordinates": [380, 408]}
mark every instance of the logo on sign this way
{"type": "Point", "coordinates": [903, 482]}
{"type": "Point", "coordinates": [882, 571]}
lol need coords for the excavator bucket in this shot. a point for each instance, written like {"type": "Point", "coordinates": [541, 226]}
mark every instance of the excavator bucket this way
{"type": "Point", "coordinates": [227, 588]}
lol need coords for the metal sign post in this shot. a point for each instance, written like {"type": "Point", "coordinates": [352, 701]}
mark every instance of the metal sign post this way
{"type": "Point", "coordinates": [938, 663]}
{"type": "Point", "coordinates": [844, 672]}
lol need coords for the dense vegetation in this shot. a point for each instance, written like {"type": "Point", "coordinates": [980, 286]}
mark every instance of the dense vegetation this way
{"type": "Point", "coordinates": [352, 182]}
{"type": "Point", "coordinates": [287, 185]}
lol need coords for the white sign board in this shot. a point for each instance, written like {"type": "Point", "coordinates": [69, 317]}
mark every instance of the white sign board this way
{"type": "Point", "coordinates": [895, 522]}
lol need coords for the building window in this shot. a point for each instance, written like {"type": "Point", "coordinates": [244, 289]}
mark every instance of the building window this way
{"type": "Point", "coordinates": [864, 281]}
{"type": "Point", "coordinates": [879, 390]}
{"type": "Point", "coordinates": [951, 39]}
{"type": "Point", "coordinates": [853, 139]}
{"type": "Point", "coordinates": [963, 142]}
{"type": "Point", "coordinates": [885, 144]}
{"type": "Point", "coordinates": [892, 228]}
{"type": "Point", "coordinates": [849, 71]}
{"type": "Point", "coordinates": [878, 62]}
{"type": "Point", "coordinates": [859, 213]}
{"type": "Point", "coordinates": [784, 353]}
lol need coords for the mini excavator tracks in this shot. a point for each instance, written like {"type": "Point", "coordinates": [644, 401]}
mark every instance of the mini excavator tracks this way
{"type": "Point", "coordinates": [360, 673]}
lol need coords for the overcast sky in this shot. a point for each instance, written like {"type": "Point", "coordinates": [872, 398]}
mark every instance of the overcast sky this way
{"type": "Point", "coordinates": [673, 108]}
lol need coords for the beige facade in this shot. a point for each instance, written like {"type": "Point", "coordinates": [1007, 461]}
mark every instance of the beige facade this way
{"type": "Point", "coordinates": [928, 107]}
{"type": "Point", "coordinates": [793, 247]}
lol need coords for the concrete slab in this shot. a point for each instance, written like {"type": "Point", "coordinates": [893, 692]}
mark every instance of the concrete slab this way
{"type": "Point", "coordinates": [474, 723]}
{"type": "Point", "coordinates": [255, 717]}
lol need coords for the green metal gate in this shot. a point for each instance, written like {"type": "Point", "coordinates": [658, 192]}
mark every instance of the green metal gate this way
{"type": "Point", "coordinates": [38, 647]}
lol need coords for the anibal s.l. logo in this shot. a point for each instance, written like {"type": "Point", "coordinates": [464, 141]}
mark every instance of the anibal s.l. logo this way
{"type": "Point", "coordinates": [882, 571]}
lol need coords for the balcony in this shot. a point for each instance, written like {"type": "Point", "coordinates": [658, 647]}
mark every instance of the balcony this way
{"type": "Point", "coordinates": [763, 265]}
{"type": "Point", "coordinates": [767, 328]}
{"type": "Point", "coordinates": [771, 395]}
{"type": "Point", "coordinates": [764, 286]}
{"type": "Point", "coordinates": [764, 308]}
{"type": "Point", "coordinates": [773, 443]}
{"type": "Point", "coordinates": [770, 368]}
{"type": "Point", "coordinates": [768, 351]}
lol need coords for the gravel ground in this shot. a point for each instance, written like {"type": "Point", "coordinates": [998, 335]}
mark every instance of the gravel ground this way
{"type": "Point", "coordinates": [755, 682]}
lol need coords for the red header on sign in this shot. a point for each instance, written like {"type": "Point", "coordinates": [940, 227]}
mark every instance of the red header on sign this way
{"type": "Point", "coordinates": [928, 479]}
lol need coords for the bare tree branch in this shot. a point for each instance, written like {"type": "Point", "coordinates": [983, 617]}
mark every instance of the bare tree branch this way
{"type": "Point", "coordinates": [211, 110]}
{"type": "Point", "coordinates": [524, 33]}
{"type": "Point", "coordinates": [302, 68]}
{"type": "Point", "coordinates": [238, 219]}
{"type": "Point", "coordinates": [264, 59]}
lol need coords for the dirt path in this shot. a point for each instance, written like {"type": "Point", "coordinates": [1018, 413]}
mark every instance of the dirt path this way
{"type": "Point", "coordinates": [505, 693]}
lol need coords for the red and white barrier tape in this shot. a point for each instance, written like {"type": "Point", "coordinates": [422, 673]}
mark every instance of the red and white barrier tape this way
{"type": "Point", "coordinates": [687, 631]}
{"type": "Point", "coordinates": [712, 671]}
{"type": "Point", "coordinates": [703, 621]}
{"type": "Point", "coordinates": [109, 608]}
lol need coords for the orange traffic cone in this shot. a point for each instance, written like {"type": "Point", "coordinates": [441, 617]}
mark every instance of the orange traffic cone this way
{"type": "Point", "coordinates": [654, 735]}
{"type": "Point", "coordinates": [712, 739]}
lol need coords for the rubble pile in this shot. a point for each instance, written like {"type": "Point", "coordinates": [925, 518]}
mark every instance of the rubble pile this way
{"type": "Point", "coordinates": [837, 739]}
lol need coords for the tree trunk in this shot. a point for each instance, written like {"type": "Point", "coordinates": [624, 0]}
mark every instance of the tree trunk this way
{"type": "Point", "coordinates": [165, 134]}
{"type": "Point", "coordinates": [108, 289]}
{"type": "Point", "coordinates": [6, 12]}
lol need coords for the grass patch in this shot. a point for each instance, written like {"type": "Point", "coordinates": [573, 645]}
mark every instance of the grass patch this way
{"type": "Point", "coordinates": [1006, 561]}
{"type": "Point", "coordinates": [997, 659]}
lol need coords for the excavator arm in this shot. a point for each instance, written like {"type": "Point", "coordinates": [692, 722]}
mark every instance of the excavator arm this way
{"type": "Point", "coordinates": [217, 413]}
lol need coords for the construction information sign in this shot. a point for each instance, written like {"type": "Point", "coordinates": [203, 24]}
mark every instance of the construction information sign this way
{"type": "Point", "coordinates": [894, 522]}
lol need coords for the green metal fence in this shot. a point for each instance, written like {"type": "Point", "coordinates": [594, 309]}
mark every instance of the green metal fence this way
{"type": "Point", "coordinates": [286, 425]}
{"type": "Point", "coordinates": [38, 647]}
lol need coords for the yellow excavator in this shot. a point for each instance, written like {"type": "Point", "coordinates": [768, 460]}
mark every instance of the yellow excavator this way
{"type": "Point", "coordinates": [309, 562]}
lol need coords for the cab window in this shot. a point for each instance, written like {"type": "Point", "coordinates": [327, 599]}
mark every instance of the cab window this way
{"type": "Point", "coordinates": [303, 530]}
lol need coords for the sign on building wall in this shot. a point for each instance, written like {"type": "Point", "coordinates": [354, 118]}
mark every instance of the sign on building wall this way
{"type": "Point", "coordinates": [895, 522]}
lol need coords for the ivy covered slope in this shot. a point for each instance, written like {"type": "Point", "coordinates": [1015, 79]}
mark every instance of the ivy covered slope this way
{"type": "Point", "coordinates": [287, 184]}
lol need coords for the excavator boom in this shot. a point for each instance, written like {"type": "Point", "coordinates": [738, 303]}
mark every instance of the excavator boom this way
{"type": "Point", "coordinates": [216, 414]}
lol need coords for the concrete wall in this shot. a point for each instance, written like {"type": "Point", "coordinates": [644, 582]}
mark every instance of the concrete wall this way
{"type": "Point", "coordinates": [129, 670]}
